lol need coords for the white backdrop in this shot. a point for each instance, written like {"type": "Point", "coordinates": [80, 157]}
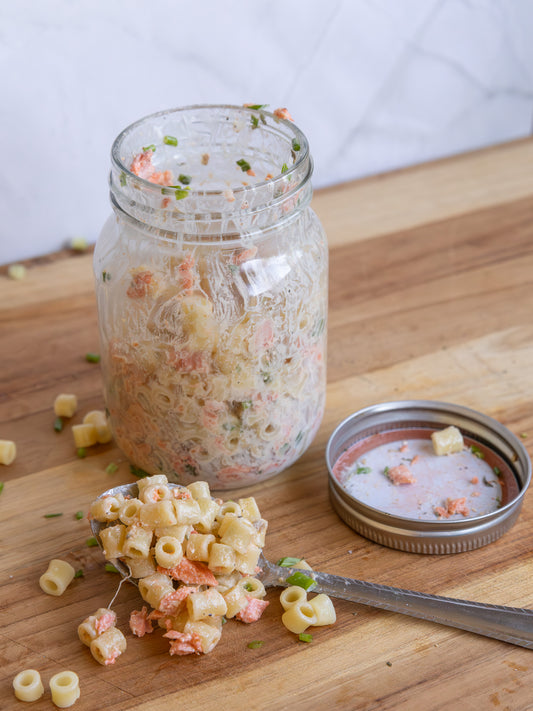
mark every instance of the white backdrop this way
{"type": "Point", "coordinates": [375, 85]}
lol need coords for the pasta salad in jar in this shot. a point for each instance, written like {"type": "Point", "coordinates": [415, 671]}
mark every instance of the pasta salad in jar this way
{"type": "Point", "coordinates": [211, 281]}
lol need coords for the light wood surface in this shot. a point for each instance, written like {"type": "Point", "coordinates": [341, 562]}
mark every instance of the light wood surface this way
{"type": "Point", "coordinates": [431, 297]}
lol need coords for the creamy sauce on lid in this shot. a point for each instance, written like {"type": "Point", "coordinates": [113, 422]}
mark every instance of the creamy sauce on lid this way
{"type": "Point", "coordinates": [398, 472]}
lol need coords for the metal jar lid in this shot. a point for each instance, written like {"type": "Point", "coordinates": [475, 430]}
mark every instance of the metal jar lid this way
{"type": "Point", "coordinates": [429, 536]}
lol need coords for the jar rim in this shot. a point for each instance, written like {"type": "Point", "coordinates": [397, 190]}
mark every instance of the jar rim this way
{"type": "Point", "coordinates": [301, 157]}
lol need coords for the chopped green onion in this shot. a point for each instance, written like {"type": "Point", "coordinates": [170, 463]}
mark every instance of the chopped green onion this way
{"type": "Point", "coordinates": [138, 472]}
{"type": "Point", "coordinates": [248, 587]}
{"type": "Point", "coordinates": [81, 453]}
{"type": "Point", "coordinates": [106, 276]}
{"type": "Point", "coordinates": [254, 121]}
{"type": "Point", "coordinates": [151, 147]}
{"type": "Point", "coordinates": [288, 562]}
{"type": "Point", "coordinates": [58, 424]}
{"type": "Point", "coordinates": [389, 664]}
{"type": "Point", "coordinates": [1, 486]}
{"type": "Point", "coordinates": [243, 165]}
{"type": "Point", "coordinates": [497, 471]}
{"type": "Point", "coordinates": [284, 168]}
{"type": "Point", "coordinates": [523, 435]}
{"type": "Point", "coordinates": [111, 468]}
{"type": "Point", "coordinates": [181, 193]}
{"type": "Point", "coordinates": [476, 451]}
{"type": "Point", "coordinates": [303, 637]}
{"type": "Point", "coordinates": [267, 378]}
{"type": "Point", "coordinates": [256, 107]}
{"type": "Point", "coordinates": [52, 515]}
{"type": "Point", "coordinates": [170, 140]}
{"type": "Point", "coordinates": [301, 580]}
{"type": "Point", "coordinates": [363, 470]}
{"type": "Point", "coordinates": [295, 145]}
{"type": "Point", "coordinates": [78, 573]}
{"type": "Point", "coordinates": [92, 357]}
{"type": "Point", "coordinates": [123, 178]}
{"type": "Point", "coordinates": [110, 568]}
{"type": "Point", "coordinates": [185, 179]}
{"type": "Point", "coordinates": [78, 515]}
{"type": "Point", "coordinates": [255, 644]}
{"type": "Point", "coordinates": [92, 542]}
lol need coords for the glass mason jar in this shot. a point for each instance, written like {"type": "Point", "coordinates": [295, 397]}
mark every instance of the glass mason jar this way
{"type": "Point", "coordinates": [211, 281]}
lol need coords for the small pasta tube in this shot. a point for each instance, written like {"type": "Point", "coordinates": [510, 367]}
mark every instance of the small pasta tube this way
{"type": "Point", "coordinates": [324, 610]}
{"type": "Point", "coordinates": [57, 577]}
{"type": "Point", "coordinates": [154, 587]}
{"type": "Point", "coordinates": [207, 603]}
{"type": "Point", "coordinates": [137, 541]}
{"type": "Point", "coordinates": [156, 492]}
{"type": "Point", "coordinates": [155, 480]}
{"type": "Point", "coordinates": [199, 490]}
{"type": "Point", "coordinates": [198, 546]}
{"type": "Point", "coordinates": [113, 538]}
{"type": "Point", "coordinates": [168, 552]}
{"type": "Point", "coordinates": [106, 508]}
{"type": "Point", "coordinates": [249, 509]}
{"type": "Point", "coordinates": [65, 688]}
{"type": "Point", "coordinates": [178, 531]}
{"type": "Point", "coordinates": [8, 451]}
{"type": "Point", "coordinates": [95, 625]}
{"type": "Point", "coordinates": [221, 559]}
{"type": "Point", "coordinates": [297, 618]}
{"type": "Point", "coordinates": [447, 441]}
{"type": "Point", "coordinates": [208, 512]}
{"type": "Point", "coordinates": [65, 405]}
{"type": "Point", "coordinates": [209, 634]}
{"type": "Point", "coordinates": [159, 513]}
{"type": "Point", "coordinates": [236, 600]}
{"type": "Point", "coordinates": [293, 595]}
{"type": "Point", "coordinates": [84, 435]}
{"type": "Point", "coordinates": [129, 511]}
{"type": "Point", "coordinates": [108, 646]}
{"type": "Point", "coordinates": [246, 563]}
{"type": "Point", "coordinates": [140, 567]}
{"type": "Point", "coordinates": [187, 511]}
{"type": "Point", "coordinates": [239, 534]}
{"type": "Point", "coordinates": [99, 420]}
{"type": "Point", "coordinates": [253, 587]}
{"type": "Point", "coordinates": [28, 686]}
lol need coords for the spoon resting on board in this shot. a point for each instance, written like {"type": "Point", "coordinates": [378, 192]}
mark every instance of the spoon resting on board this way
{"type": "Point", "coordinates": [509, 624]}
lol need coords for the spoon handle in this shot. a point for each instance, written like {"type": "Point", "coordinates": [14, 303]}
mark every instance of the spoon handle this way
{"type": "Point", "coordinates": [510, 624]}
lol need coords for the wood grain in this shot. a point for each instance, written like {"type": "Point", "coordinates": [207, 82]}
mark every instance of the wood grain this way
{"type": "Point", "coordinates": [431, 297]}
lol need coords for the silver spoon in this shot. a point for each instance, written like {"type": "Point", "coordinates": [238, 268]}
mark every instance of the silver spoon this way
{"type": "Point", "coordinates": [509, 624]}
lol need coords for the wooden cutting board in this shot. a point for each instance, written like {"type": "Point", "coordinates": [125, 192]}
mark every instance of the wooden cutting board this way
{"type": "Point", "coordinates": [431, 297]}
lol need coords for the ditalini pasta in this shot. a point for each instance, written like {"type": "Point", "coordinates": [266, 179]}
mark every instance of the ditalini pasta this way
{"type": "Point", "coordinates": [28, 686]}
{"type": "Point", "coordinates": [301, 612]}
{"type": "Point", "coordinates": [65, 405]}
{"type": "Point", "coordinates": [8, 451]}
{"type": "Point", "coordinates": [65, 688]}
{"type": "Point", "coordinates": [195, 559]}
{"type": "Point", "coordinates": [57, 577]}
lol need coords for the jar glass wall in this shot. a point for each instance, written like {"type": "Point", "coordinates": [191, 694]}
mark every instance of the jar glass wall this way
{"type": "Point", "coordinates": [211, 280]}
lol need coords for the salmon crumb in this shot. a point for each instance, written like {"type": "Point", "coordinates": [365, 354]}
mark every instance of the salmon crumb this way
{"type": "Point", "coordinates": [400, 475]}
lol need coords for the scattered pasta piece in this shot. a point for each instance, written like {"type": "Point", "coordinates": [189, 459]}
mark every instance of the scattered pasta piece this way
{"type": "Point", "coordinates": [8, 451]}
{"type": "Point", "coordinates": [99, 420]}
{"type": "Point", "coordinates": [57, 577]}
{"type": "Point", "coordinates": [28, 686]}
{"type": "Point", "coordinates": [84, 435]}
{"type": "Point", "coordinates": [65, 405]}
{"type": "Point", "coordinates": [447, 441]}
{"type": "Point", "coordinates": [108, 646]}
{"type": "Point", "coordinates": [301, 613]}
{"type": "Point", "coordinates": [65, 688]}
{"type": "Point", "coordinates": [79, 244]}
{"type": "Point", "coordinates": [16, 272]}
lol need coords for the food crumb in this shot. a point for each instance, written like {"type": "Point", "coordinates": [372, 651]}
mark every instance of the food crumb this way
{"type": "Point", "coordinates": [16, 272]}
{"type": "Point", "coordinates": [389, 664]}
